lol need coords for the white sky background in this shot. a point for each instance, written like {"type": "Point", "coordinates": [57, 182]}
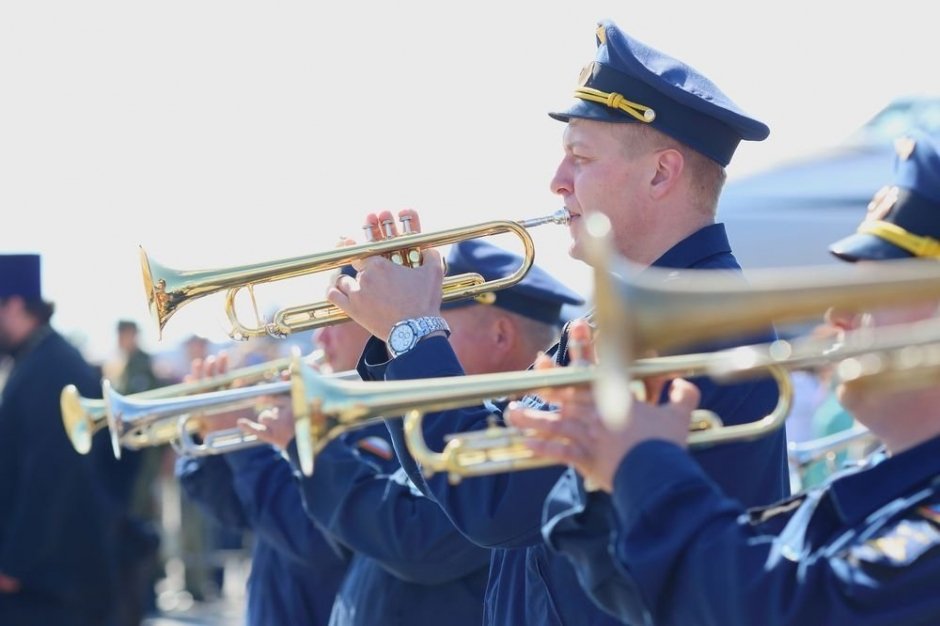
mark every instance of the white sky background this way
{"type": "Point", "coordinates": [225, 133]}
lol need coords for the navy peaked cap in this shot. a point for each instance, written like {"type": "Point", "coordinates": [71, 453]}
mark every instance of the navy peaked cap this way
{"type": "Point", "coordinates": [537, 296]}
{"type": "Point", "coordinates": [629, 81]}
{"type": "Point", "coordinates": [903, 219]}
{"type": "Point", "coordinates": [19, 276]}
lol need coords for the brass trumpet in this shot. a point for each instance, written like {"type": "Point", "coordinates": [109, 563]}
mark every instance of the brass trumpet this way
{"type": "Point", "coordinates": [84, 417]}
{"type": "Point", "coordinates": [331, 407]}
{"type": "Point", "coordinates": [140, 422]}
{"type": "Point", "coordinates": [168, 289]}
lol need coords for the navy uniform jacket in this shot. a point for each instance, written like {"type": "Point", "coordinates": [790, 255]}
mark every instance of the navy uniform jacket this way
{"type": "Point", "coordinates": [411, 566]}
{"type": "Point", "coordinates": [529, 583]}
{"type": "Point", "coordinates": [295, 570]}
{"type": "Point", "coordinates": [57, 519]}
{"type": "Point", "coordinates": [862, 550]}
{"type": "Point", "coordinates": [578, 524]}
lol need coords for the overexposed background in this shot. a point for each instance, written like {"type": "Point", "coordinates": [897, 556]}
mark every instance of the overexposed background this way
{"type": "Point", "coordinates": [224, 133]}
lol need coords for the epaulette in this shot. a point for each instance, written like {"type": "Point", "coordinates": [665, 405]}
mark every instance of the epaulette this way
{"type": "Point", "coordinates": [902, 543]}
{"type": "Point", "coordinates": [761, 514]}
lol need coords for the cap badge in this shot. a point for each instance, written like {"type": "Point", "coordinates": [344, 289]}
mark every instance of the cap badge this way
{"type": "Point", "coordinates": [904, 146]}
{"type": "Point", "coordinates": [586, 72]}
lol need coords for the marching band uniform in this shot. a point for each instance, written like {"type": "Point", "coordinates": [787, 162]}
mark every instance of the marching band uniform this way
{"type": "Point", "coordinates": [295, 569]}
{"type": "Point", "coordinates": [529, 583]}
{"type": "Point", "coordinates": [409, 564]}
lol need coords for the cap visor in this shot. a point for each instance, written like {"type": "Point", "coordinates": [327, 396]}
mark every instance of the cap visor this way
{"type": "Point", "coordinates": [582, 109]}
{"type": "Point", "coordinates": [866, 247]}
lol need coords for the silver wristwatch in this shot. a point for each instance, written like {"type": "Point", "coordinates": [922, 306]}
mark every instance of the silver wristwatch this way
{"type": "Point", "coordinates": [406, 334]}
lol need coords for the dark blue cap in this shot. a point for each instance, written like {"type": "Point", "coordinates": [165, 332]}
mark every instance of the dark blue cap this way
{"type": "Point", "coordinates": [537, 296]}
{"type": "Point", "coordinates": [629, 81]}
{"type": "Point", "coordinates": [348, 270]}
{"type": "Point", "coordinates": [903, 219]}
{"type": "Point", "coordinates": [19, 276]}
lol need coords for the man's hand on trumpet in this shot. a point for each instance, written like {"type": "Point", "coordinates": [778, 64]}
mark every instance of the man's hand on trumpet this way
{"type": "Point", "coordinates": [576, 435]}
{"type": "Point", "coordinates": [209, 367]}
{"type": "Point", "coordinates": [384, 293]}
{"type": "Point", "coordinates": [271, 424]}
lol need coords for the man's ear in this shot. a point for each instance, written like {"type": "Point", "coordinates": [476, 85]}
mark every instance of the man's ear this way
{"type": "Point", "coordinates": [669, 166]}
{"type": "Point", "coordinates": [505, 333]}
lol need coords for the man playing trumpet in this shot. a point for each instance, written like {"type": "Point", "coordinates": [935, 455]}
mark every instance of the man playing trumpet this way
{"type": "Point", "coordinates": [862, 549]}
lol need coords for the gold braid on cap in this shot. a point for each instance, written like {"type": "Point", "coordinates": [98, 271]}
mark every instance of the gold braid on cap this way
{"type": "Point", "coordinates": [923, 247]}
{"type": "Point", "coordinates": [615, 100]}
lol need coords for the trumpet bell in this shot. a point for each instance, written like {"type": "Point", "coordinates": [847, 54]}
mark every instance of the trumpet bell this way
{"type": "Point", "coordinates": [80, 426]}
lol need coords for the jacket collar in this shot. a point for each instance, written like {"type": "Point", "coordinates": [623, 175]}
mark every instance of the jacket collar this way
{"type": "Point", "coordinates": [858, 495]}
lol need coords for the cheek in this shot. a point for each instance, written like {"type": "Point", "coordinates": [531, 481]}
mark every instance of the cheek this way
{"type": "Point", "coordinates": [605, 190]}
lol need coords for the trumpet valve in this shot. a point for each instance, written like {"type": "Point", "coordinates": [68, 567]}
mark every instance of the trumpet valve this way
{"type": "Point", "coordinates": [406, 228]}
{"type": "Point", "coordinates": [387, 228]}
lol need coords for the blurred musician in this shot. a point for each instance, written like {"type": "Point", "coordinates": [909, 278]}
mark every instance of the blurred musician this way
{"type": "Point", "coordinates": [410, 565]}
{"type": "Point", "coordinates": [295, 569]}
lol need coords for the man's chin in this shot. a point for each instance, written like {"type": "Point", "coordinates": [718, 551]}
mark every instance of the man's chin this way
{"type": "Point", "coordinates": [574, 250]}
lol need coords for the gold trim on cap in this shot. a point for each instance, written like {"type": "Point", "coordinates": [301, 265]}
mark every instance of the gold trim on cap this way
{"type": "Point", "coordinates": [615, 100]}
{"type": "Point", "coordinates": [923, 247]}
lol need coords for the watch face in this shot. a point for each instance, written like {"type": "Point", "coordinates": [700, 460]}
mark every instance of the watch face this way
{"type": "Point", "coordinates": [401, 337]}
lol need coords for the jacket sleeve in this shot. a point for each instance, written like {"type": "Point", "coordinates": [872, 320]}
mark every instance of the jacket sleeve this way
{"type": "Point", "coordinates": [693, 558]}
{"type": "Point", "coordinates": [496, 511]}
{"type": "Point", "coordinates": [270, 498]}
{"type": "Point", "coordinates": [384, 517]}
{"type": "Point", "coordinates": [208, 482]}
{"type": "Point", "coordinates": [578, 525]}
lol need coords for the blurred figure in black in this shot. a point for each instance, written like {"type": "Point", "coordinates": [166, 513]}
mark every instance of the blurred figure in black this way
{"type": "Point", "coordinates": [57, 516]}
